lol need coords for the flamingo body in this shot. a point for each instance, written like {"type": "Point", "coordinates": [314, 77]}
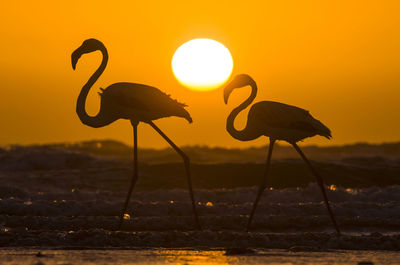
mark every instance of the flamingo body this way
{"type": "Point", "coordinates": [138, 102]}
{"type": "Point", "coordinates": [284, 122]}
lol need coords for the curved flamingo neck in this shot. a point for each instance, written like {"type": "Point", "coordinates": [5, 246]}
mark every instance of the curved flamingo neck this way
{"type": "Point", "coordinates": [99, 120]}
{"type": "Point", "coordinates": [246, 134]}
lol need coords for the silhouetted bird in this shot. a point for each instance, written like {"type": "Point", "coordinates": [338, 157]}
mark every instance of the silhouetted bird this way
{"type": "Point", "coordinates": [135, 102]}
{"type": "Point", "coordinates": [277, 121]}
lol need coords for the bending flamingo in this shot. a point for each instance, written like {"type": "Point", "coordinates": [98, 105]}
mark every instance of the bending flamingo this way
{"type": "Point", "coordinates": [277, 121]}
{"type": "Point", "coordinates": [135, 102]}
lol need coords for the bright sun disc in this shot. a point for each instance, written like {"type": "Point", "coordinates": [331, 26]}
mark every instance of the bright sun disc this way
{"type": "Point", "coordinates": [202, 64]}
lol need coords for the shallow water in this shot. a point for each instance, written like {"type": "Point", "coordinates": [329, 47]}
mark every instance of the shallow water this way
{"type": "Point", "coordinates": [192, 257]}
{"type": "Point", "coordinates": [56, 199]}
{"type": "Point", "coordinates": [44, 211]}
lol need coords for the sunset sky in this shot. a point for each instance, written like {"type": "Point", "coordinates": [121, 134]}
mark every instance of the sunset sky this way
{"type": "Point", "coordinates": [338, 59]}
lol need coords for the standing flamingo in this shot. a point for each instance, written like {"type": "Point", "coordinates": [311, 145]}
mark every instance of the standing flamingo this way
{"type": "Point", "coordinates": [277, 121]}
{"type": "Point", "coordinates": [135, 102]}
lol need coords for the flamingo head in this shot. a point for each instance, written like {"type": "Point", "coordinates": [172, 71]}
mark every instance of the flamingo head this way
{"type": "Point", "coordinates": [88, 46]}
{"type": "Point", "coordinates": [237, 82]}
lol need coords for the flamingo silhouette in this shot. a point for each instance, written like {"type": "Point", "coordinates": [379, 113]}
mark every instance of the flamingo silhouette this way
{"type": "Point", "coordinates": [135, 102]}
{"type": "Point", "coordinates": [277, 121]}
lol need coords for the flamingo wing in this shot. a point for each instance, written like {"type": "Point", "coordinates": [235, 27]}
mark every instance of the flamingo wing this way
{"type": "Point", "coordinates": [142, 102]}
{"type": "Point", "coordinates": [286, 121]}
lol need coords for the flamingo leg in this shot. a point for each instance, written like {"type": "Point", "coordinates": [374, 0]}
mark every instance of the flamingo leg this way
{"type": "Point", "coordinates": [263, 183]}
{"type": "Point", "coordinates": [134, 176]}
{"type": "Point", "coordinates": [321, 185]}
{"type": "Point", "coordinates": [186, 161]}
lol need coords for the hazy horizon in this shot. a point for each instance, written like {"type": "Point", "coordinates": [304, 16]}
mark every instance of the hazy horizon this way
{"type": "Point", "coordinates": [164, 147]}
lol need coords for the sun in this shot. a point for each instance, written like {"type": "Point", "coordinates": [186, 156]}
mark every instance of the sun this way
{"type": "Point", "coordinates": [202, 64]}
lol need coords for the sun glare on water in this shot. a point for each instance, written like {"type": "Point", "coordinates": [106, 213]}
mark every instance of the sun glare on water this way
{"type": "Point", "coordinates": [202, 64]}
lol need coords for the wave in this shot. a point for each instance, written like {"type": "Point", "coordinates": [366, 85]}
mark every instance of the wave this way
{"type": "Point", "coordinates": [61, 196]}
{"type": "Point", "coordinates": [369, 218]}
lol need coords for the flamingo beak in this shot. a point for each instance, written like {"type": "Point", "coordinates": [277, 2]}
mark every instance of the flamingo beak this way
{"type": "Point", "coordinates": [75, 57]}
{"type": "Point", "coordinates": [227, 92]}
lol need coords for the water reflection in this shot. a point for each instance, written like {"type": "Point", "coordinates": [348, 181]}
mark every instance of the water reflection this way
{"type": "Point", "coordinates": [193, 257]}
{"type": "Point", "coordinates": [12, 256]}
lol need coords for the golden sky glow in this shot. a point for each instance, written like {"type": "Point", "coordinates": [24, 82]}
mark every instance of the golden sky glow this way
{"type": "Point", "coordinates": [202, 64]}
{"type": "Point", "coordinates": [338, 59]}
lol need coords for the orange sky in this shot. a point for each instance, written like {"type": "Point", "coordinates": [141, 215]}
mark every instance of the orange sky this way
{"type": "Point", "coordinates": [338, 59]}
